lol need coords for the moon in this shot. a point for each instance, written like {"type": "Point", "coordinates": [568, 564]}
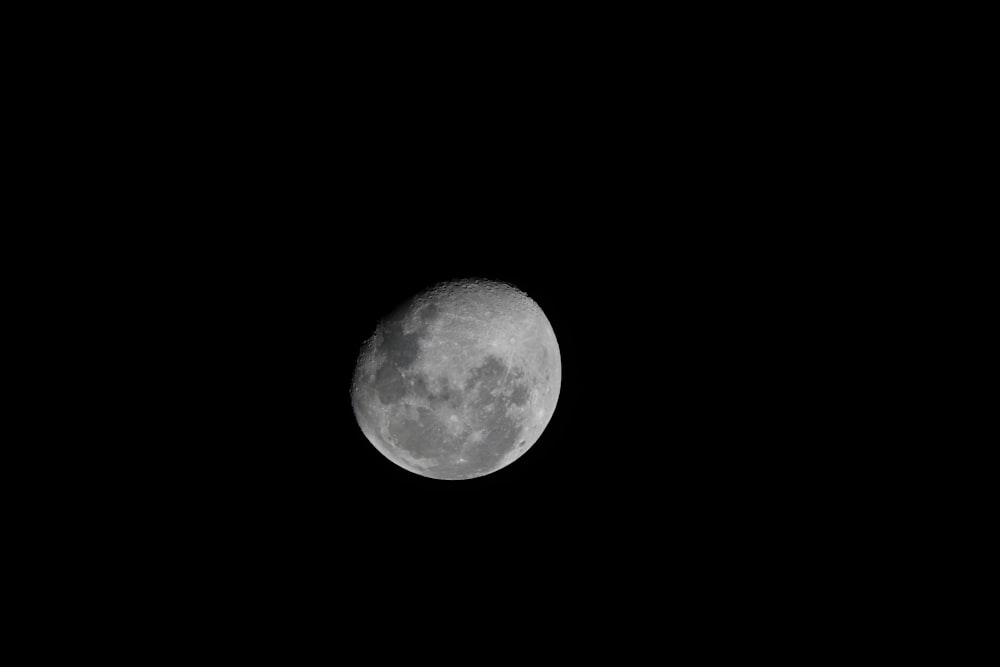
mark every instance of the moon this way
{"type": "Point", "coordinates": [459, 381]}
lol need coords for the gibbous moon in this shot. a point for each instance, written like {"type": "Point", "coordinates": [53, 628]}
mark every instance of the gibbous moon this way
{"type": "Point", "coordinates": [458, 381]}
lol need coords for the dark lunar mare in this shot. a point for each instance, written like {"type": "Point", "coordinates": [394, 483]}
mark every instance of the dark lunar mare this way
{"type": "Point", "coordinates": [490, 372]}
{"type": "Point", "coordinates": [401, 351]}
{"type": "Point", "coordinates": [428, 313]}
{"type": "Point", "coordinates": [501, 434]}
{"type": "Point", "coordinates": [426, 437]}
{"type": "Point", "coordinates": [501, 430]}
{"type": "Point", "coordinates": [423, 437]}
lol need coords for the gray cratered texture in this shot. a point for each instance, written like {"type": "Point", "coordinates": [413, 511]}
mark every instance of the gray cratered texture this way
{"type": "Point", "coordinates": [459, 381]}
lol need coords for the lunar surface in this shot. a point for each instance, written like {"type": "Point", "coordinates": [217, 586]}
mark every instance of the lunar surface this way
{"type": "Point", "coordinates": [459, 381]}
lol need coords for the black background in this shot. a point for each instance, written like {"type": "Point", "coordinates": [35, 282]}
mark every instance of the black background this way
{"type": "Point", "coordinates": [711, 210]}
{"type": "Point", "coordinates": [678, 433]}
{"type": "Point", "coordinates": [671, 263]}
{"type": "Point", "coordinates": [673, 225]}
